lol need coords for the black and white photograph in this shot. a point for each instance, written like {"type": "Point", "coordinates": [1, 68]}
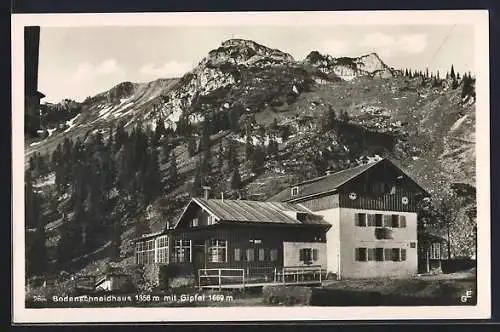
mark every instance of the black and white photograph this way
{"type": "Point", "coordinates": [251, 166]}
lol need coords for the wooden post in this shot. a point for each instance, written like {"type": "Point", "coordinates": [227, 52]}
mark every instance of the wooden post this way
{"type": "Point", "coordinates": [320, 275]}
{"type": "Point", "coordinates": [243, 275]}
{"type": "Point", "coordinates": [220, 279]}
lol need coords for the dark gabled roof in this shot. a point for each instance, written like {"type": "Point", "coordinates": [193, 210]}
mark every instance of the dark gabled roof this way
{"type": "Point", "coordinates": [325, 183]}
{"type": "Point", "coordinates": [246, 211]}
{"type": "Point", "coordinates": [332, 182]}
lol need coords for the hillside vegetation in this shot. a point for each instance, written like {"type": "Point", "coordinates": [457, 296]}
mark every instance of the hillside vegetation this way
{"type": "Point", "coordinates": [247, 121]}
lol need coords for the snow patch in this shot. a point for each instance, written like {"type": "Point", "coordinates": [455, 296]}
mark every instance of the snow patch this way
{"type": "Point", "coordinates": [51, 130]}
{"type": "Point", "coordinates": [35, 143]}
{"type": "Point", "coordinates": [71, 123]}
{"type": "Point", "coordinates": [105, 112]}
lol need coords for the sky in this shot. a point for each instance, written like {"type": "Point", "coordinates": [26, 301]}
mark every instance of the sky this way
{"type": "Point", "coordinates": [77, 62]}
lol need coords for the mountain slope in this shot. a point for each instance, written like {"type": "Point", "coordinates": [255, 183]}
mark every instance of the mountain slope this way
{"type": "Point", "coordinates": [305, 116]}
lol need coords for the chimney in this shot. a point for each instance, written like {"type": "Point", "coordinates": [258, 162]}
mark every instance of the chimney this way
{"type": "Point", "coordinates": [222, 196]}
{"type": "Point", "coordinates": [206, 191]}
{"type": "Point", "coordinates": [329, 172]}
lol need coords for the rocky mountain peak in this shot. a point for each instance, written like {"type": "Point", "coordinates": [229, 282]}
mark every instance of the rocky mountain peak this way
{"type": "Point", "coordinates": [371, 62]}
{"type": "Point", "coordinates": [246, 52]}
{"type": "Point", "coordinates": [347, 67]}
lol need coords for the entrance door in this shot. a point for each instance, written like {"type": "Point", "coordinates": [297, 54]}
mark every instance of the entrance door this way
{"type": "Point", "coordinates": [199, 261]}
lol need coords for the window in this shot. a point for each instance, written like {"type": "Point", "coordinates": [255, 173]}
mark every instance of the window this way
{"type": "Point", "coordinates": [378, 220]}
{"type": "Point", "coordinates": [194, 222]}
{"type": "Point", "coordinates": [237, 254]}
{"type": "Point", "coordinates": [395, 221]}
{"type": "Point", "coordinates": [250, 254]}
{"type": "Point", "coordinates": [162, 249]}
{"type": "Point", "coordinates": [371, 254]}
{"type": "Point", "coordinates": [396, 254]}
{"type": "Point", "coordinates": [273, 254]}
{"type": "Point", "coordinates": [435, 251]}
{"type": "Point", "coordinates": [380, 254]}
{"type": "Point", "coordinates": [379, 188]}
{"type": "Point", "coordinates": [261, 254]}
{"type": "Point", "coordinates": [361, 219]}
{"type": "Point", "coordinates": [217, 250]}
{"type": "Point", "coordinates": [295, 191]}
{"type": "Point", "coordinates": [210, 220]}
{"type": "Point", "coordinates": [361, 254]}
{"type": "Point", "coordinates": [308, 255]}
{"type": "Point", "coordinates": [182, 251]}
{"type": "Point", "coordinates": [145, 252]}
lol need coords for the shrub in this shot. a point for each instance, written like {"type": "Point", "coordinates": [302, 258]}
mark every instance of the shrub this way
{"type": "Point", "coordinates": [287, 295]}
{"type": "Point", "coordinates": [176, 275]}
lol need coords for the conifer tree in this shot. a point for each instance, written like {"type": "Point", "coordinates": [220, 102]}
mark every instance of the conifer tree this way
{"type": "Point", "coordinates": [173, 173]}
{"type": "Point", "coordinates": [220, 158]}
{"type": "Point", "coordinates": [248, 145]}
{"type": "Point", "coordinates": [190, 146]}
{"type": "Point", "coordinates": [115, 251]}
{"type": "Point", "coordinates": [31, 202]}
{"type": "Point", "coordinates": [231, 156]}
{"type": "Point", "coordinates": [452, 73]}
{"type": "Point", "coordinates": [36, 251]}
{"type": "Point", "coordinates": [152, 177]}
{"type": "Point", "coordinates": [235, 182]}
{"type": "Point", "coordinates": [166, 150]}
{"type": "Point", "coordinates": [159, 131]}
{"type": "Point", "coordinates": [205, 134]}
{"type": "Point", "coordinates": [197, 181]}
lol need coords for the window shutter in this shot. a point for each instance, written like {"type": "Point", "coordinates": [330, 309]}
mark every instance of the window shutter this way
{"type": "Point", "coordinates": [357, 254]}
{"type": "Point", "coordinates": [302, 255]}
{"type": "Point", "coordinates": [315, 254]}
{"type": "Point", "coordinates": [387, 220]}
{"type": "Point", "coordinates": [403, 254]}
{"type": "Point", "coordinates": [402, 221]}
{"type": "Point", "coordinates": [357, 221]}
{"type": "Point", "coordinates": [237, 254]}
{"type": "Point", "coordinates": [371, 219]}
{"type": "Point", "coordinates": [388, 254]}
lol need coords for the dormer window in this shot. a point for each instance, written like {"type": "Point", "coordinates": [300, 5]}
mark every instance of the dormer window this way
{"type": "Point", "coordinates": [295, 191]}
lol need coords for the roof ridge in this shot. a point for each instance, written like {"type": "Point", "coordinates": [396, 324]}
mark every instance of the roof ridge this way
{"type": "Point", "coordinates": [344, 170]}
